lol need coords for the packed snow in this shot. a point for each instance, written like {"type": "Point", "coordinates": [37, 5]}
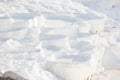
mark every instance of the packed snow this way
{"type": "Point", "coordinates": [60, 39]}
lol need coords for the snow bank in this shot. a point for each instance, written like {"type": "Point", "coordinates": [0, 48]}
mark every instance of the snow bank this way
{"type": "Point", "coordinates": [58, 40]}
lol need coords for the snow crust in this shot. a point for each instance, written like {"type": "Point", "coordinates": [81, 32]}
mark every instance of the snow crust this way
{"type": "Point", "coordinates": [60, 39]}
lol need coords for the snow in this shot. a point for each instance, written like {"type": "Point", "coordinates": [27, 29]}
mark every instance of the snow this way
{"type": "Point", "coordinates": [60, 39]}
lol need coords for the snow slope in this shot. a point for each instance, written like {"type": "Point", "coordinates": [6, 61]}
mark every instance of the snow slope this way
{"type": "Point", "coordinates": [60, 39]}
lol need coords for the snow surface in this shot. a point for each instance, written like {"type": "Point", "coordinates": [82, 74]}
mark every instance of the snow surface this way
{"type": "Point", "coordinates": [60, 39]}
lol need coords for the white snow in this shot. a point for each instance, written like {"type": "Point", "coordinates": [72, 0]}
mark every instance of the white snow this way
{"type": "Point", "coordinates": [60, 39]}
